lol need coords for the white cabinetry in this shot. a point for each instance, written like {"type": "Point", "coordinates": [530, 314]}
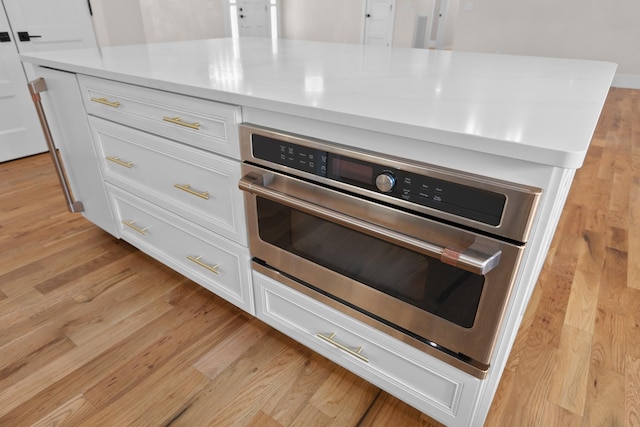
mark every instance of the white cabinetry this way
{"type": "Point", "coordinates": [197, 122]}
{"type": "Point", "coordinates": [172, 194]}
{"type": "Point", "coordinates": [156, 169]}
{"type": "Point", "coordinates": [62, 102]}
{"type": "Point", "coordinates": [443, 392]}
{"type": "Point", "coordinates": [216, 263]}
{"type": "Point", "coordinates": [198, 185]}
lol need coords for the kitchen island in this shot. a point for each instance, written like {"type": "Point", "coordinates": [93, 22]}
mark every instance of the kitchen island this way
{"type": "Point", "coordinates": [523, 120]}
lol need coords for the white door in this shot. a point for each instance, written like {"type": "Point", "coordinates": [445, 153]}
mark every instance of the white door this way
{"type": "Point", "coordinates": [50, 25]}
{"type": "Point", "coordinates": [443, 19]}
{"type": "Point", "coordinates": [253, 18]}
{"type": "Point", "coordinates": [33, 25]}
{"type": "Point", "coordinates": [41, 25]}
{"type": "Point", "coordinates": [378, 23]}
{"type": "Point", "coordinates": [20, 132]}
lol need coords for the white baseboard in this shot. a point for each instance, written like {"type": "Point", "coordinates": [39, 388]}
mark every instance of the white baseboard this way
{"type": "Point", "coordinates": [628, 81]}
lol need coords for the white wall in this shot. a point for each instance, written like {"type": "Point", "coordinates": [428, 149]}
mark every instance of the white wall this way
{"type": "Point", "coordinates": [451, 17]}
{"type": "Point", "coordinates": [175, 20]}
{"type": "Point", "coordinates": [343, 20]}
{"type": "Point", "coordinates": [596, 29]}
{"type": "Point", "coordinates": [322, 20]}
{"type": "Point", "coordinates": [407, 13]}
{"type": "Point", "coordinates": [585, 29]}
{"type": "Point", "coordinates": [119, 22]}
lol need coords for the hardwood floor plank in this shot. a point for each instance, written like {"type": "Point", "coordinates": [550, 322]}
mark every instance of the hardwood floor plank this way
{"type": "Point", "coordinates": [17, 278]}
{"type": "Point", "coordinates": [614, 296]}
{"type": "Point", "coordinates": [608, 348]}
{"type": "Point", "coordinates": [61, 306]}
{"type": "Point", "coordinates": [556, 291]}
{"type": "Point", "coordinates": [632, 391]}
{"type": "Point", "coordinates": [161, 400]}
{"type": "Point", "coordinates": [15, 228]}
{"type": "Point", "coordinates": [388, 411]}
{"type": "Point", "coordinates": [87, 368]}
{"type": "Point", "coordinates": [532, 381]}
{"type": "Point", "coordinates": [274, 381]}
{"type": "Point", "coordinates": [572, 366]}
{"type": "Point", "coordinates": [31, 352]}
{"type": "Point", "coordinates": [179, 329]}
{"type": "Point", "coordinates": [305, 382]}
{"type": "Point", "coordinates": [38, 310]}
{"type": "Point", "coordinates": [98, 365]}
{"type": "Point", "coordinates": [633, 272]}
{"type": "Point", "coordinates": [249, 378]}
{"type": "Point", "coordinates": [49, 241]}
{"type": "Point", "coordinates": [344, 396]}
{"type": "Point", "coordinates": [20, 392]}
{"type": "Point", "coordinates": [604, 398]}
{"type": "Point", "coordinates": [128, 296]}
{"type": "Point", "coordinates": [632, 331]}
{"type": "Point", "coordinates": [583, 301]}
{"type": "Point", "coordinates": [555, 415]}
{"type": "Point", "coordinates": [310, 416]}
{"type": "Point", "coordinates": [66, 414]}
{"type": "Point", "coordinates": [224, 354]}
{"type": "Point", "coordinates": [261, 419]}
{"type": "Point", "coordinates": [83, 265]}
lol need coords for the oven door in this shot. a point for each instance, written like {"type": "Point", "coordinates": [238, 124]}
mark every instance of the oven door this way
{"type": "Point", "coordinates": [443, 286]}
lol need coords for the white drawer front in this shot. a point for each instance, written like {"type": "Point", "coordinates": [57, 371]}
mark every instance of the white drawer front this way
{"type": "Point", "coordinates": [215, 263]}
{"type": "Point", "coordinates": [429, 384]}
{"type": "Point", "coordinates": [202, 123]}
{"type": "Point", "coordinates": [200, 186]}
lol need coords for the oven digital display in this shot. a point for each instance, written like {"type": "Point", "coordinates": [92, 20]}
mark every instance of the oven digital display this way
{"type": "Point", "coordinates": [348, 169]}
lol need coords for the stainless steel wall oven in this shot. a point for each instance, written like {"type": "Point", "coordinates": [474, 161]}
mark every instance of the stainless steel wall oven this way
{"type": "Point", "coordinates": [426, 254]}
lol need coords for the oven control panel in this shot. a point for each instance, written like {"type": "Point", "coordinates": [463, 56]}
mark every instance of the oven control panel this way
{"type": "Point", "coordinates": [446, 196]}
{"type": "Point", "coordinates": [291, 155]}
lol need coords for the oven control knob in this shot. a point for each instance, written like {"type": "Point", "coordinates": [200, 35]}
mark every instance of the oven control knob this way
{"type": "Point", "coordinates": [385, 182]}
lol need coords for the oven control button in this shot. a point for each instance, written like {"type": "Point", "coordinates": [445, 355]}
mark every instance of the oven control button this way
{"type": "Point", "coordinates": [385, 182]}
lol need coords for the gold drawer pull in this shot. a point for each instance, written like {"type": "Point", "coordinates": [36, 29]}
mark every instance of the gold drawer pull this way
{"type": "Point", "coordinates": [211, 268]}
{"type": "Point", "coordinates": [187, 188]}
{"type": "Point", "coordinates": [355, 353]}
{"type": "Point", "coordinates": [117, 160]}
{"type": "Point", "coordinates": [178, 121]}
{"type": "Point", "coordinates": [105, 101]}
{"type": "Point", "coordinates": [135, 228]}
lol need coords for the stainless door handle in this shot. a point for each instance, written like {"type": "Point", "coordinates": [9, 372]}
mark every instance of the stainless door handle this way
{"type": "Point", "coordinates": [475, 259]}
{"type": "Point", "coordinates": [35, 87]}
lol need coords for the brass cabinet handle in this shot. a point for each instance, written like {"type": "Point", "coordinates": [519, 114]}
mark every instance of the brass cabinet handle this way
{"type": "Point", "coordinates": [178, 121]}
{"type": "Point", "coordinates": [355, 353]}
{"type": "Point", "coordinates": [131, 225]}
{"type": "Point", "coordinates": [117, 160]}
{"type": "Point", "coordinates": [36, 87]}
{"type": "Point", "coordinates": [211, 268]}
{"type": "Point", "coordinates": [187, 188]}
{"type": "Point", "coordinates": [105, 101]}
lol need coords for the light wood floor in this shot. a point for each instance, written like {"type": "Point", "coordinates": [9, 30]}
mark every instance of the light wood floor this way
{"type": "Point", "coordinates": [93, 332]}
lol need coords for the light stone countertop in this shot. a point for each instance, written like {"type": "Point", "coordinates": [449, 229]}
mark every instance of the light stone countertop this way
{"type": "Point", "coordinates": [542, 110]}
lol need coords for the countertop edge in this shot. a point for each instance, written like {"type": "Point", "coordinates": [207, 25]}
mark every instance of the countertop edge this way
{"type": "Point", "coordinates": [557, 158]}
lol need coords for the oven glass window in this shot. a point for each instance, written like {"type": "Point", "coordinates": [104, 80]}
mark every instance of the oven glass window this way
{"type": "Point", "coordinates": [424, 282]}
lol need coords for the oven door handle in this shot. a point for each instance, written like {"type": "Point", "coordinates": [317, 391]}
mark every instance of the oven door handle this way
{"type": "Point", "coordinates": [477, 258]}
